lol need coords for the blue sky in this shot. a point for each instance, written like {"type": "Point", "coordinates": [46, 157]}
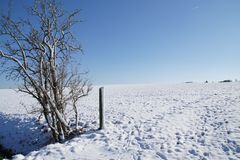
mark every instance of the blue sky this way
{"type": "Point", "coordinates": [156, 41]}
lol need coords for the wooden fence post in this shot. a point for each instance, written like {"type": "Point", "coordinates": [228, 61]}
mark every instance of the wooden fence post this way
{"type": "Point", "coordinates": [101, 108]}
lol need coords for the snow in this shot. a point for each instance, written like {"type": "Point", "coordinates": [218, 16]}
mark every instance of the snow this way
{"type": "Point", "coordinates": [18, 131]}
{"type": "Point", "coordinates": [183, 121]}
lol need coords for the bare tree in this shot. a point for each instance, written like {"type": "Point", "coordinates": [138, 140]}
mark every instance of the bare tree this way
{"type": "Point", "coordinates": [78, 89]}
{"type": "Point", "coordinates": [39, 52]}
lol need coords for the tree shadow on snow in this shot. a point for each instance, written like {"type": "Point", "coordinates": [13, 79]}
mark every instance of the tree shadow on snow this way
{"type": "Point", "coordinates": [22, 133]}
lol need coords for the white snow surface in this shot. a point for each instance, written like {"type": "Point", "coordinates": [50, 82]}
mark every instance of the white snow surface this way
{"type": "Point", "coordinates": [183, 121]}
{"type": "Point", "coordinates": [20, 131]}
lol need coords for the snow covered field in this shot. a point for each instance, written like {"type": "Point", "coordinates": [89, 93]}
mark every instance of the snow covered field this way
{"type": "Point", "coordinates": [183, 121]}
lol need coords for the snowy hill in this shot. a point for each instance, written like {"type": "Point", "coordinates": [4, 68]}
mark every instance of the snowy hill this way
{"type": "Point", "coordinates": [184, 121]}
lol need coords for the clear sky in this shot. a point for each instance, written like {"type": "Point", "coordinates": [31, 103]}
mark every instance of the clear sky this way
{"type": "Point", "coordinates": [156, 41]}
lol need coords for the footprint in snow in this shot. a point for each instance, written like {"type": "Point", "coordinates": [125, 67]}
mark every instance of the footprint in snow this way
{"type": "Point", "coordinates": [144, 145]}
{"type": "Point", "coordinates": [193, 152]}
{"type": "Point", "coordinates": [91, 136]}
{"type": "Point", "coordinates": [117, 122]}
{"type": "Point", "coordinates": [73, 150]}
{"type": "Point", "coordinates": [206, 154]}
{"type": "Point", "coordinates": [178, 150]}
{"type": "Point", "coordinates": [161, 155]}
{"type": "Point", "coordinates": [225, 148]}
